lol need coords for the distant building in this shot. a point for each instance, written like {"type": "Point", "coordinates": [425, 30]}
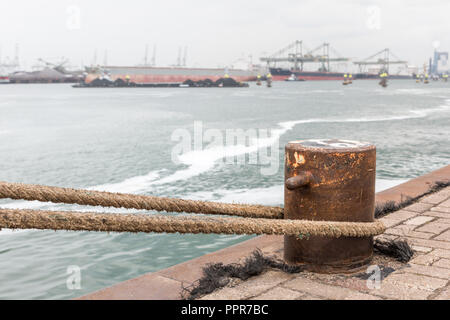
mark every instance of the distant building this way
{"type": "Point", "coordinates": [439, 63]}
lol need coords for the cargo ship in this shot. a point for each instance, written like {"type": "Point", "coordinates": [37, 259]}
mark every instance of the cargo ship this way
{"type": "Point", "coordinates": [283, 74]}
{"type": "Point", "coordinates": [47, 75]}
{"type": "Point", "coordinates": [149, 75]}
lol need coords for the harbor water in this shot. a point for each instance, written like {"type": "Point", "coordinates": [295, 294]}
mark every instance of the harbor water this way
{"type": "Point", "coordinates": [121, 140]}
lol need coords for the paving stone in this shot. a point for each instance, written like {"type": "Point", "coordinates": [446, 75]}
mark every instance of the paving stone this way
{"type": "Point", "coordinates": [435, 198]}
{"type": "Point", "coordinates": [417, 221]}
{"type": "Point", "coordinates": [430, 271]}
{"type": "Point", "coordinates": [279, 293]}
{"type": "Point", "coordinates": [386, 237]}
{"type": "Point", "coordinates": [444, 237]}
{"type": "Point", "coordinates": [438, 214]}
{"type": "Point", "coordinates": [444, 295]}
{"type": "Point", "coordinates": [442, 263]}
{"type": "Point", "coordinates": [431, 243]}
{"type": "Point", "coordinates": [324, 290]}
{"type": "Point", "coordinates": [445, 220]}
{"type": "Point", "coordinates": [421, 249]}
{"type": "Point", "coordinates": [435, 227]}
{"type": "Point", "coordinates": [419, 207]}
{"type": "Point", "coordinates": [400, 292]}
{"type": "Point", "coordinates": [257, 285]}
{"type": "Point", "coordinates": [441, 209]}
{"type": "Point", "coordinates": [441, 253]}
{"type": "Point", "coordinates": [390, 222]}
{"type": "Point", "coordinates": [425, 259]}
{"type": "Point", "coordinates": [226, 293]}
{"type": "Point", "coordinates": [417, 281]}
{"type": "Point", "coordinates": [445, 204]}
{"type": "Point", "coordinates": [311, 297]}
{"type": "Point", "coordinates": [361, 296]}
{"type": "Point", "coordinates": [403, 215]}
{"type": "Point", "coordinates": [404, 231]}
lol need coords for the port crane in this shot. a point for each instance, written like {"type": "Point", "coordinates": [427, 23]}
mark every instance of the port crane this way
{"type": "Point", "coordinates": [58, 66]}
{"type": "Point", "coordinates": [382, 59]}
{"type": "Point", "coordinates": [294, 54]}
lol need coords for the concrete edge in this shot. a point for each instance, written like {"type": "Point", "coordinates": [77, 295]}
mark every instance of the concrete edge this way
{"type": "Point", "coordinates": [167, 284]}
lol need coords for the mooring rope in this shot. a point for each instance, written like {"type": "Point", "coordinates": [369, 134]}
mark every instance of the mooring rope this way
{"type": "Point", "coordinates": [31, 192]}
{"type": "Point", "coordinates": [110, 222]}
{"type": "Point", "coordinates": [254, 219]}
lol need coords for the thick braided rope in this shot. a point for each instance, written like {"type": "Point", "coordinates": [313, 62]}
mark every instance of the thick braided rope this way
{"type": "Point", "coordinates": [77, 221]}
{"type": "Point", "coordinates": [130, 201]}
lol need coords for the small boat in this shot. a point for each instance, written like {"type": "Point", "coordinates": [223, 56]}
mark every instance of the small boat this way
{"type": "Point", "coordinates": [384, 79]}
{"type": "Point", "coordinates": [293, 77]}
{"type": "Point", "coordinates": [258, 80]}
{"type": "Point", "coordinates": [4, 79]}
{"type": "Point", "coordinates": [346, 82]}
{"type": "Point", "coordinates": [269, 80]}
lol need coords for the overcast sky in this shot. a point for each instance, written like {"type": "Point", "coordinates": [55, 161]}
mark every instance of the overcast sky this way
{"type": "Point", "coordinates": [219, 32]}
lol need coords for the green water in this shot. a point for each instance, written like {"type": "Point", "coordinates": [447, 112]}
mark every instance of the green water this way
{"type": "Point", "coordinates": [120, 140]}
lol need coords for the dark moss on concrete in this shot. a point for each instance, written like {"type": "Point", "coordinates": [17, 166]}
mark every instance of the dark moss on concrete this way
{"type": "Point", "coordinates": [388, 207]}
{"type": "Point", "coordinates": [218, 275]}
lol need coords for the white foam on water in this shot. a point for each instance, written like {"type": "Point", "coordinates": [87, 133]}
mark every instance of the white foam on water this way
{"type": "Point", "coordinates": [270, 196]}
{"type": "Point", "coordinates": [244, 94]}
{"type": "Point", "coordinates": [325, 91]}
{"type": "Point", "coordinates": [7, 232]}
{"type": "Point", "coordinates": [422, 113]}
{"type": "Point", "coordinates": [413, 91]}
{"type": "Point", "coordinates": [264, 196]}
{"type": "Point", "coordinates": [135, 184]}
{"type": "Point", "coordinates": [201, 161]}
{"type": "Point", "coordinates": [384, 184]}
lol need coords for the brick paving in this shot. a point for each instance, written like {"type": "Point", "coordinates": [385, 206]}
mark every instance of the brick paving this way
{"type": "Point", "coordinates": [425, 224]}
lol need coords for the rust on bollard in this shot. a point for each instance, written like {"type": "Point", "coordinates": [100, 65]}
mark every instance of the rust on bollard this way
{"type": "Point", "coordinates": [329, 180]}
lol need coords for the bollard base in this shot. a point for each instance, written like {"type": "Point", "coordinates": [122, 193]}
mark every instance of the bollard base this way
{"type": "Point", "coordinates": [324, 255]}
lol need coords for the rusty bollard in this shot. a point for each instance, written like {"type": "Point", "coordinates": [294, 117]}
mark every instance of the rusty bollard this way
{"type": "Point", "coordinates": [329, 180]}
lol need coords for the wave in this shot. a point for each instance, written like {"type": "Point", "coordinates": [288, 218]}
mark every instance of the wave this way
{"type": "Point", "coordinates": [201, 161]}
{"type": "Point", "coordinates": [413, 91]}
{"type": "Point", "coordinates": [135, 184]}
{"type": "Point", "coordinates": [270, 196]}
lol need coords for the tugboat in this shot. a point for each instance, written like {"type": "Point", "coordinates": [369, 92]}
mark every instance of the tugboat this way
{"type": "Point", "coordinates": [269, 80]}
{"type": "Point", "coordinates": [384, 79]}
{"type": "Point", "coordinates": [293, 77]}
{"type": "Point", "coordinates": [346, 82]}
{"type": "Point", "coordinates": [258, 80]}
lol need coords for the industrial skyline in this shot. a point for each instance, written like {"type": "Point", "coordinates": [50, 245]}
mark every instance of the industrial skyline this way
{"type": "Point", "coordinates": [217, 34]}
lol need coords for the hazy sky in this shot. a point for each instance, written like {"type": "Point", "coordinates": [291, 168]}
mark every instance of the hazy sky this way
{"type": "Point", "coordinates": [218, 32]}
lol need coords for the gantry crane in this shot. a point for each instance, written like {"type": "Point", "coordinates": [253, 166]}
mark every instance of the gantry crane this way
{"type": "Point", "coordinates": [383, 59]}
{"type": "Point", "coordinates": [293, 53]}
